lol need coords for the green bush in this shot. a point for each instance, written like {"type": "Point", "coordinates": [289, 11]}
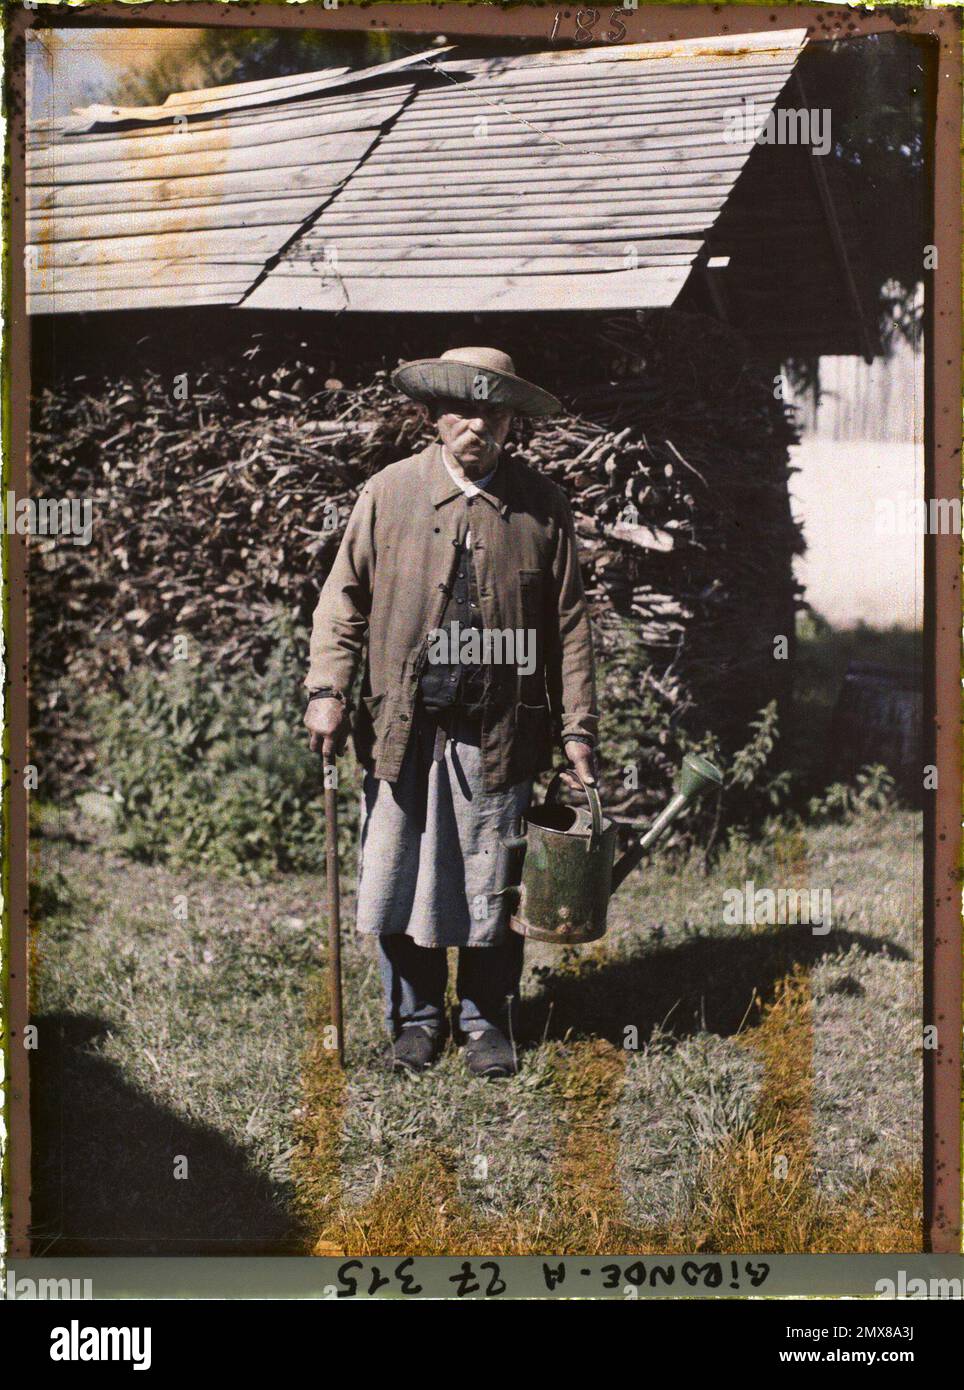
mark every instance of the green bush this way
{"type": "Point", "coordinates": [873, 790]}
{"type": "Point", "coordinates": [645, 727]}
{"type": "Point", "coordinates": [217, 771]}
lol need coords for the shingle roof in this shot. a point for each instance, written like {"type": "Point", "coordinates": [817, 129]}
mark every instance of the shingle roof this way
{"type": "Point", "coordinates": [566, 179]}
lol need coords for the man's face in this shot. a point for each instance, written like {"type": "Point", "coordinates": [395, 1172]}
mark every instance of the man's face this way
{"type": "Point", "coordinates": [473, 432]}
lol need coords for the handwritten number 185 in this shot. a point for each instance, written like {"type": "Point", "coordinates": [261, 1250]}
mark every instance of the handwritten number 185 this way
{"type": "Point", "coordinates": [586, 21]}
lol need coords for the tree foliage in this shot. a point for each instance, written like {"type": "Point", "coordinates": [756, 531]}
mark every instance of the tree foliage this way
{"type": "Point", "coordinates": [221, 56]}
{"type": "Point", "coordinates": [875, 87]}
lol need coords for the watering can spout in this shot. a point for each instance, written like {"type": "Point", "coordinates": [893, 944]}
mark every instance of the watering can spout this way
{"type": "Point", "coordinates": [696, 777]}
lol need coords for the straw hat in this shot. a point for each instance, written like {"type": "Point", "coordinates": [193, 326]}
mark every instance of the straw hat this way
{"type": "Point", "coordinates": [473, 374]}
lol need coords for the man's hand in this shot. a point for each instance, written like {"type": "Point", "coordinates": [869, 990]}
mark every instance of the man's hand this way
{"type": "Point", "coordinates": [583, 760]}
{"type": "Point", "coordinates": [327, 723]}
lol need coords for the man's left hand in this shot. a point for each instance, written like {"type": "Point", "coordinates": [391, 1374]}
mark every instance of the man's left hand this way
{"type": "Point", "coordinates": [583, 760]}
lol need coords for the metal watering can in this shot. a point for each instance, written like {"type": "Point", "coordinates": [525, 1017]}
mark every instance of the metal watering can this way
{"type": "Point", "coordinates": [561, 872]}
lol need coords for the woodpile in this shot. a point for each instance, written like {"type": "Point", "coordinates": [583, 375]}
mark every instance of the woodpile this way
{"type": "Point", "coordinates": [222, 472]}
{"type": "Point", "coordinates": [680, 489]}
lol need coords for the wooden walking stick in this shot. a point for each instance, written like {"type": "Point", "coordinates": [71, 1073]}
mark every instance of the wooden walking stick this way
{"type": "Point", "coordinates": [334, 906]}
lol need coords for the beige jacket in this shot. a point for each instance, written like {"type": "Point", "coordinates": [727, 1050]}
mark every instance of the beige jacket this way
{"type": "Point", "coordinates": [388, 583]}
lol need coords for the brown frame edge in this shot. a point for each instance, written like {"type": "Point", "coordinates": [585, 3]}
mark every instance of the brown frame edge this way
{"type": "Point", "coordinates": [942, 864]}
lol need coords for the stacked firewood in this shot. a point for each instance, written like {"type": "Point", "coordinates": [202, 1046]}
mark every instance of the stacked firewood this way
{"type": "Point", "coordinates": [678, 471]}
{"type": "Point", "coordinates": [221, 490]}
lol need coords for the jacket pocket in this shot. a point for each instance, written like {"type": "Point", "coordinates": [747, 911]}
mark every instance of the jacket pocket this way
{"type": "Point", "coordinates": [530, 594]}
{"type": "Point", "coordinates": [532, 742]}
{"type": "Point", "coordinates": [530, 684]}
{"type": "Point", "coordinates": [373, 704]}
{"type": "Point", "coordinates": [369, 729]}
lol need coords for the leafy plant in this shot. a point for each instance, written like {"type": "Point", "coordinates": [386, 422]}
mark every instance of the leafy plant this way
{"type": "Point", "coordinates": [645, 727]}
{"type": "Point", "coordinates": [872, 790]}
{"type": "Point", "coordinates": [216, 771]}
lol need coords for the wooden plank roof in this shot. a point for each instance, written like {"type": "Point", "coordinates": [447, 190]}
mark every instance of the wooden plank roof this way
{"type": "Point", "coordinates": [584, 178]}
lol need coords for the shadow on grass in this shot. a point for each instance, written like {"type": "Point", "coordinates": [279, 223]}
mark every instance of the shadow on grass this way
{"type": "Point", "coordinates": [104, 1158]}
{"type": "Point", "coordinates": [710, 984]}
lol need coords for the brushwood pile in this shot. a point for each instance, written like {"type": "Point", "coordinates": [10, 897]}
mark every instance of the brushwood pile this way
{"type": "Point", "coordinates": [223, 453]}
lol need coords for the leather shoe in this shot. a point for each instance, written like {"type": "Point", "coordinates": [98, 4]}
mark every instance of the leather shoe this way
{"type": "Point", "coordinates": [490, 1053]}
{"type": "Point", "coordinates": [415, 1049]}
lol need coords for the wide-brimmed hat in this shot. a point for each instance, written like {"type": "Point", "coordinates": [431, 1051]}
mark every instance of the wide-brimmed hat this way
{"type": "Point", "coordinates": [473, 374]}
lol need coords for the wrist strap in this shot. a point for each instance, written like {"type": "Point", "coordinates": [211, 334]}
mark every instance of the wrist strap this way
{"type": "Point", "coordinates": [326, 692]}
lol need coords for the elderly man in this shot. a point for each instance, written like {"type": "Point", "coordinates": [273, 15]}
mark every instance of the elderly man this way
{"type": "Point", "coordinates": [460, 566]}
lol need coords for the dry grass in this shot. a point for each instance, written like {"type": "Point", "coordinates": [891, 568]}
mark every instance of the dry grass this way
{"type": "Point", "coordinates": [419, 1212]}
{"type": "Point", "coordinates": [589, 1202]}
{"type": "Point", "coordinates": [315, 1166]}
{"type": "Point", "coordinates": [758, 1195]}
{"type": "Point", "coordinates": [754, 1195]}
{"type": "Point", "coordinates": [211, 1029]}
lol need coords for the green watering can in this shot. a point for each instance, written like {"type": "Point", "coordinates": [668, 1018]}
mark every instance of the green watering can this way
{"type": "Point", "coordinates": [560, 870]}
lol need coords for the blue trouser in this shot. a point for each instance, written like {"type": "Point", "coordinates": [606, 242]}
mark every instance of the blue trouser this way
{"type": "Point", "coordinates": [414, 980]}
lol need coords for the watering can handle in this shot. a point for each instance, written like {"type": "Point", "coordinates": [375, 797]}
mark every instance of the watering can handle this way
{"type": "Point", "coordinates": [592, 796]}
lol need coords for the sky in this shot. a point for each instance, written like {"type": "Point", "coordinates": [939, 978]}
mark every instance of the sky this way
{"type": "Point", "coordinates": [73, 67]}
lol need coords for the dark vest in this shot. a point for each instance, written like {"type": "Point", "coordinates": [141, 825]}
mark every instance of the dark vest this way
{"type": "Point", "coordinates": [455, 685]}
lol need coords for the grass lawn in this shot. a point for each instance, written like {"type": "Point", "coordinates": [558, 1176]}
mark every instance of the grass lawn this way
{"type": "Point", "coordinates": [686, 1084]}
